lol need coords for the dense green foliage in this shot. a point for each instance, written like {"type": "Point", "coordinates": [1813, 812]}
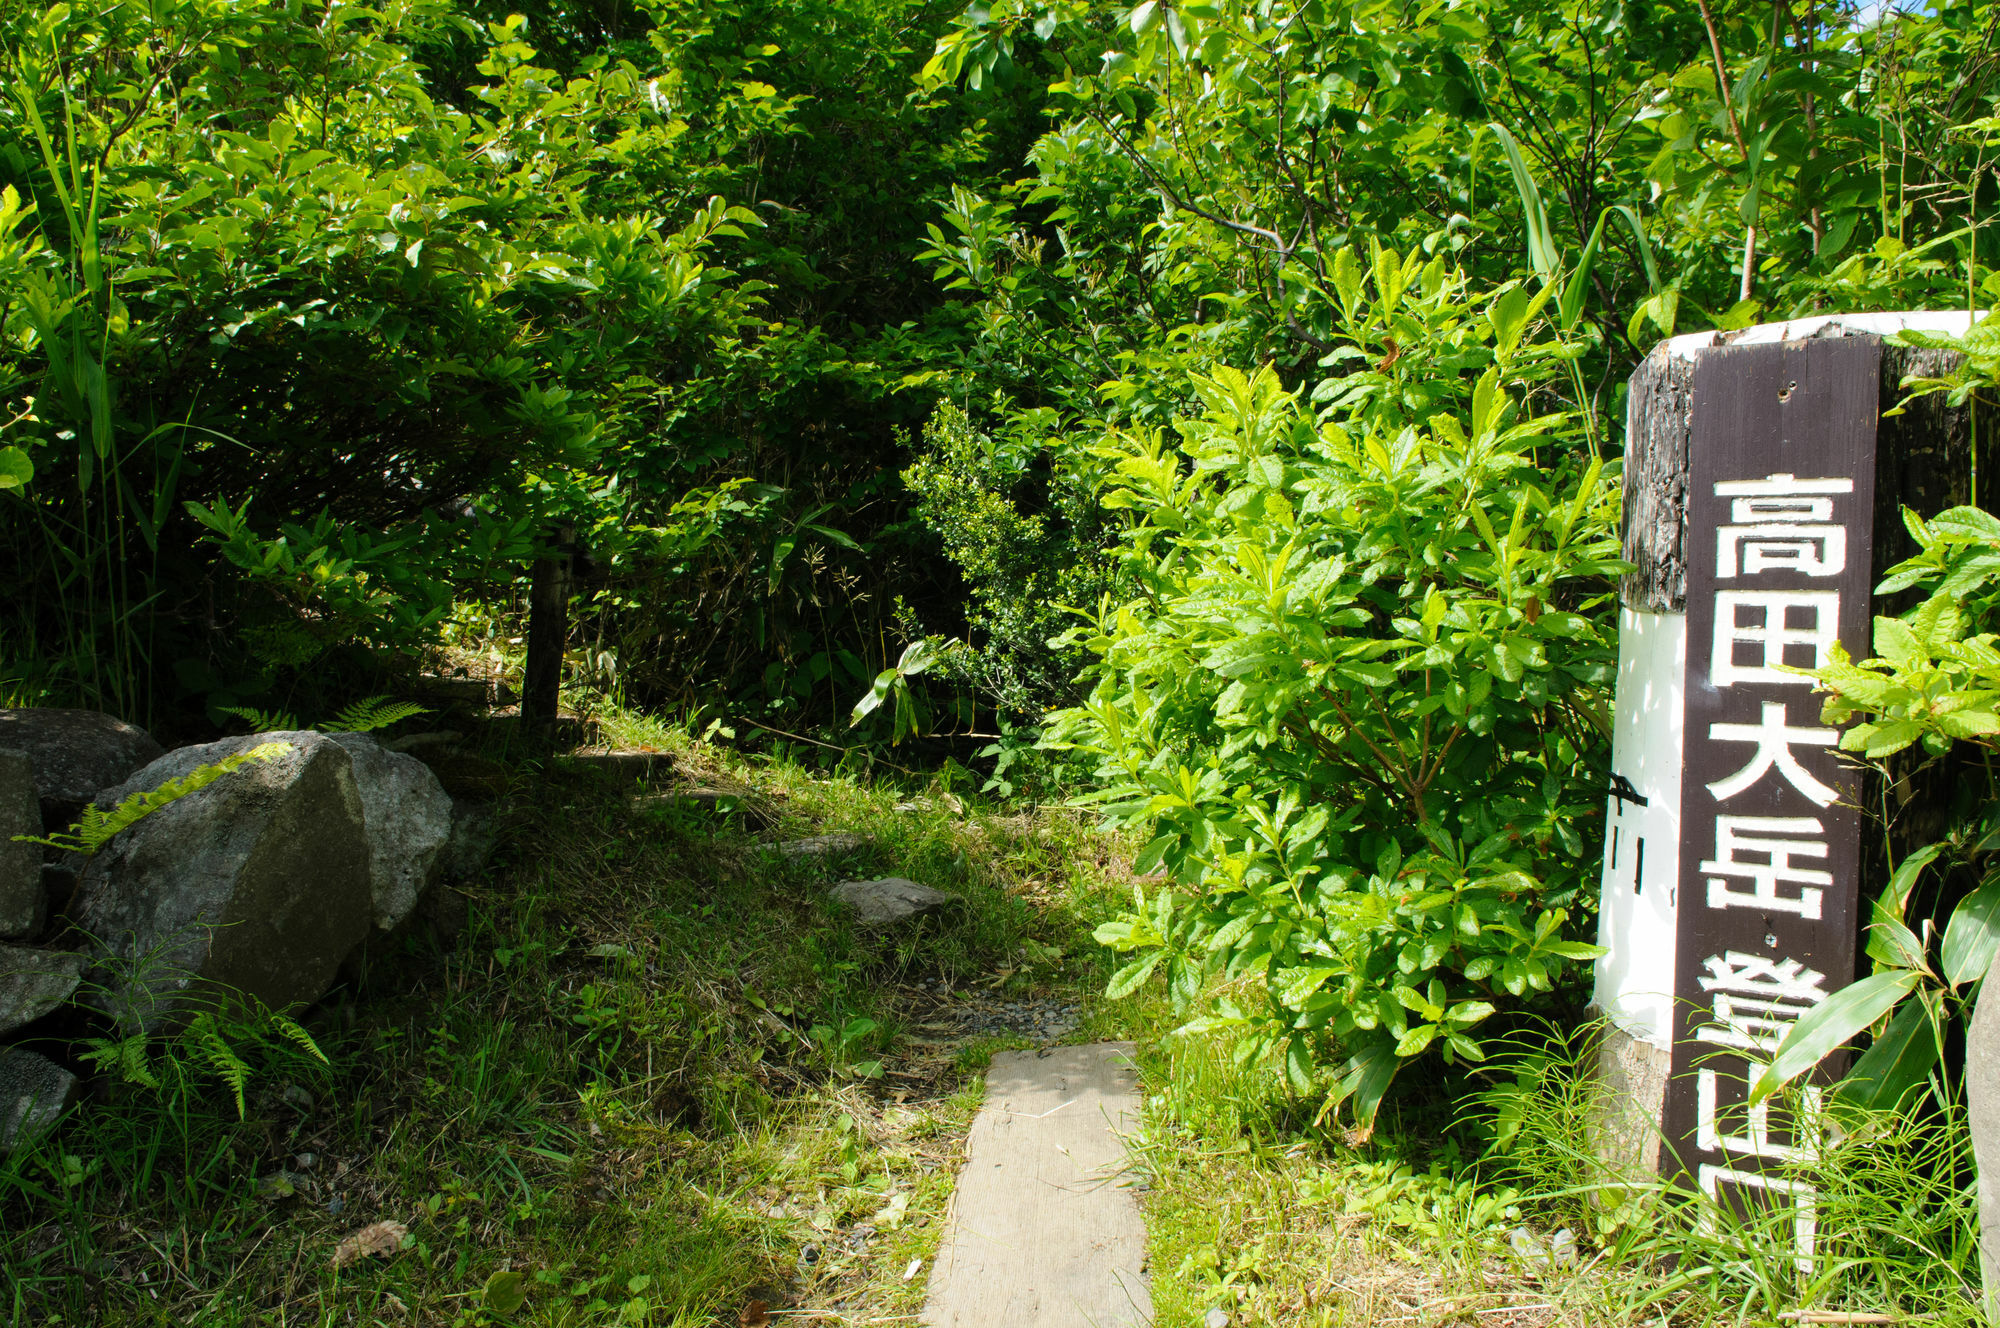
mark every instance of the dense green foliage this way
{"type": "Point", "coordinates": [1372, 759]}
{"type": "Point", "coordinates": [1360, 695]}
{"type": "Point", "coordinates": [320, 324]}
{"type": "Point", "coordinates": [1280, 344]}
{"type": "Point", "coordinates": [396, 296]}
{"type": "Point", "coordinates": [1922, 706]}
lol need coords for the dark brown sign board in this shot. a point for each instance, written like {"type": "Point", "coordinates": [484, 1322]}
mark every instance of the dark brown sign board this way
{"type": "Point", "coordinates": [1780, 502]}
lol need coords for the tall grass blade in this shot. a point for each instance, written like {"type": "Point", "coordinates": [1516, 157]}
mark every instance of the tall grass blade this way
{"type": "Point", "coordinates": [1543, 256]}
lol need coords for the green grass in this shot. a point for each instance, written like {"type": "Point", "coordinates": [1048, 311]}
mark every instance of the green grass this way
{"type": "Point", "coordinates": [661, 1078]}
{"type": "Point", "coordinates": [659, 1075]}
{"type": "Point", "coordinates": [1256, 1210]}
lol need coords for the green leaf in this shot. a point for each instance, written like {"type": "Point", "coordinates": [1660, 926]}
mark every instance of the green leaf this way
{"type": "Point", "coordinates": [1972, 937]}
{"type": "Point", "coordinates": [1416, 1039]}
{"type": "Point", "coordinates": [372, 713]}
{"type": "Point", "coordinates": [1369, 1074]}
{"type": "Point", "coordinates": [1297, 985]}
{"type": "Point", "coordinates": [1467, 1013]}
{"type": "Point", "coordinates": [1899, 943]}
{"type": "Point", "coordinates": [1542, 253]}
{"type": "Point", "coordinates": [1897, 643]}
{"type": "Point", "coordinates": [1570, 305]}
{"type": "Point", "coordinates": [1508, 315]}
{"type": "Point", "coordinates": [1299, 1064]}
{"type": "Point", "coordinates": [505, 1292]}
{"type": "Point", "coordinates": [1900, 1059]}
{"type": "Point", "coordinates": [15, 468]}
{"type": "Point", "coordinates": [1152, 855]}
{"type": "Point", "coordinates": [878, 692]}
{"type": "Point", "coordinates": [1891, 903]}
{"type": "Point", "coordinates": [1821, 1030]}
{"type": "Point", "coordinates": [1885, 739]}
{"type": "Point", "coordinates": [1967, 525]}
{"type": "Point", "coordinates": [1127, 979]}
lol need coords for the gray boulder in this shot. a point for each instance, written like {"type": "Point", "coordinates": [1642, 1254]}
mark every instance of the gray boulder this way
{"type": "Point", "coordinates": [259, 883]}
{"type": "Point", "coordinates": [33, 1092]}
{"type": "Point", "coordinates": [22, 899]}
{"type": "Point", "coordinates": [814, 847]}
{"type": "Point", "coordinates": [409, 821]}
{"type": "Point", "coordinates": [34, 982]}
{"type": "Point", "coordinates": [890, 900]}
{"type": "Point", "coordinates": [75, 753]}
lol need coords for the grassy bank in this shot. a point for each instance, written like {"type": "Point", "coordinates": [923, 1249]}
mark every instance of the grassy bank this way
{"type": "Point", "coordinates": [653, 1070]}
{"type": "Point", "coordinates": [1437, 1220]}
{"type": "Point", "coordinates": [645, 1070]}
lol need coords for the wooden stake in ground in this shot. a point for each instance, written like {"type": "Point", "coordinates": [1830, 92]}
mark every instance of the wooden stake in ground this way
{"type": "Point", "coordinates": [1044, 1232]}
{"type": "Point", "coordinates": [549, 588]}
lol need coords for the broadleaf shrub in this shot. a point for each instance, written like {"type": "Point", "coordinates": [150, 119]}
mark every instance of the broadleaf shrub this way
{"type": "Point", "coordinates": [1030, 553]}
{"type": "Point", "coordinates": [1361, 693]}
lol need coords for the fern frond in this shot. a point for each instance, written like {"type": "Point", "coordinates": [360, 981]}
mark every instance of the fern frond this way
{"type": "Point", "coordinates": [204, 1038]}
{"type": "Point", "coordinates": [263, 721]}
{"type": "Point", "coordinates": [374, 712]}
{"type": "Point", "coordinates": [291, 1030]}
{"type": "Point", "coordinates": [127, 1056]}
{"type": "Point", "coordinates": [133, 1063]}
{"type": "Point", "coordinates": [96, 826]}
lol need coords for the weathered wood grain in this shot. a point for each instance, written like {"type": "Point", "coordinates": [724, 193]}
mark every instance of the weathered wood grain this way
{"type": "Point", "coordinates": [1923, 459]}
{"type": "Point", "coordinates": [1044, 1233]}
{"type": "Point", "coordinates": [1659, 420]}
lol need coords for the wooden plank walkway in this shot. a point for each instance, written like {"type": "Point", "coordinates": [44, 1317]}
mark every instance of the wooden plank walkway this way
{"type": "Point", "coordinates": [1044, 1232]}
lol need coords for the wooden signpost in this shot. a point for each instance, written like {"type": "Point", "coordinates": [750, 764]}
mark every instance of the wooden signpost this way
{"type": "Point", "coordinates": [551, 582]}
{"type": "Point", "coordinates": [1761, 491]}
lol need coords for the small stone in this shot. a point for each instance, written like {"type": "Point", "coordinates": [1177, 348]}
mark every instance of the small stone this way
{"type": "Point", "coordinates": [33, 1092]}
{"type": "Point", "coordinates": [298, 1097]}
{"type": "Point", "coordinates": [891, 900]}
{"type": "Point", "coordinates": [1562, 1248]}
{"type": "Point", "coordinates": [1528, 1250]}
{"type": "Point", "coordinates": [34, 982]}
{"type": "Point", "coordinates": [1215, 1318]}
{"type": "Point", "coordinates": [822, 846]}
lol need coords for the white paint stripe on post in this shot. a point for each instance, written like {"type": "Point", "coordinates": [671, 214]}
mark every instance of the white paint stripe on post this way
{"type": "Point", "coordinates": [1636, 926]}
